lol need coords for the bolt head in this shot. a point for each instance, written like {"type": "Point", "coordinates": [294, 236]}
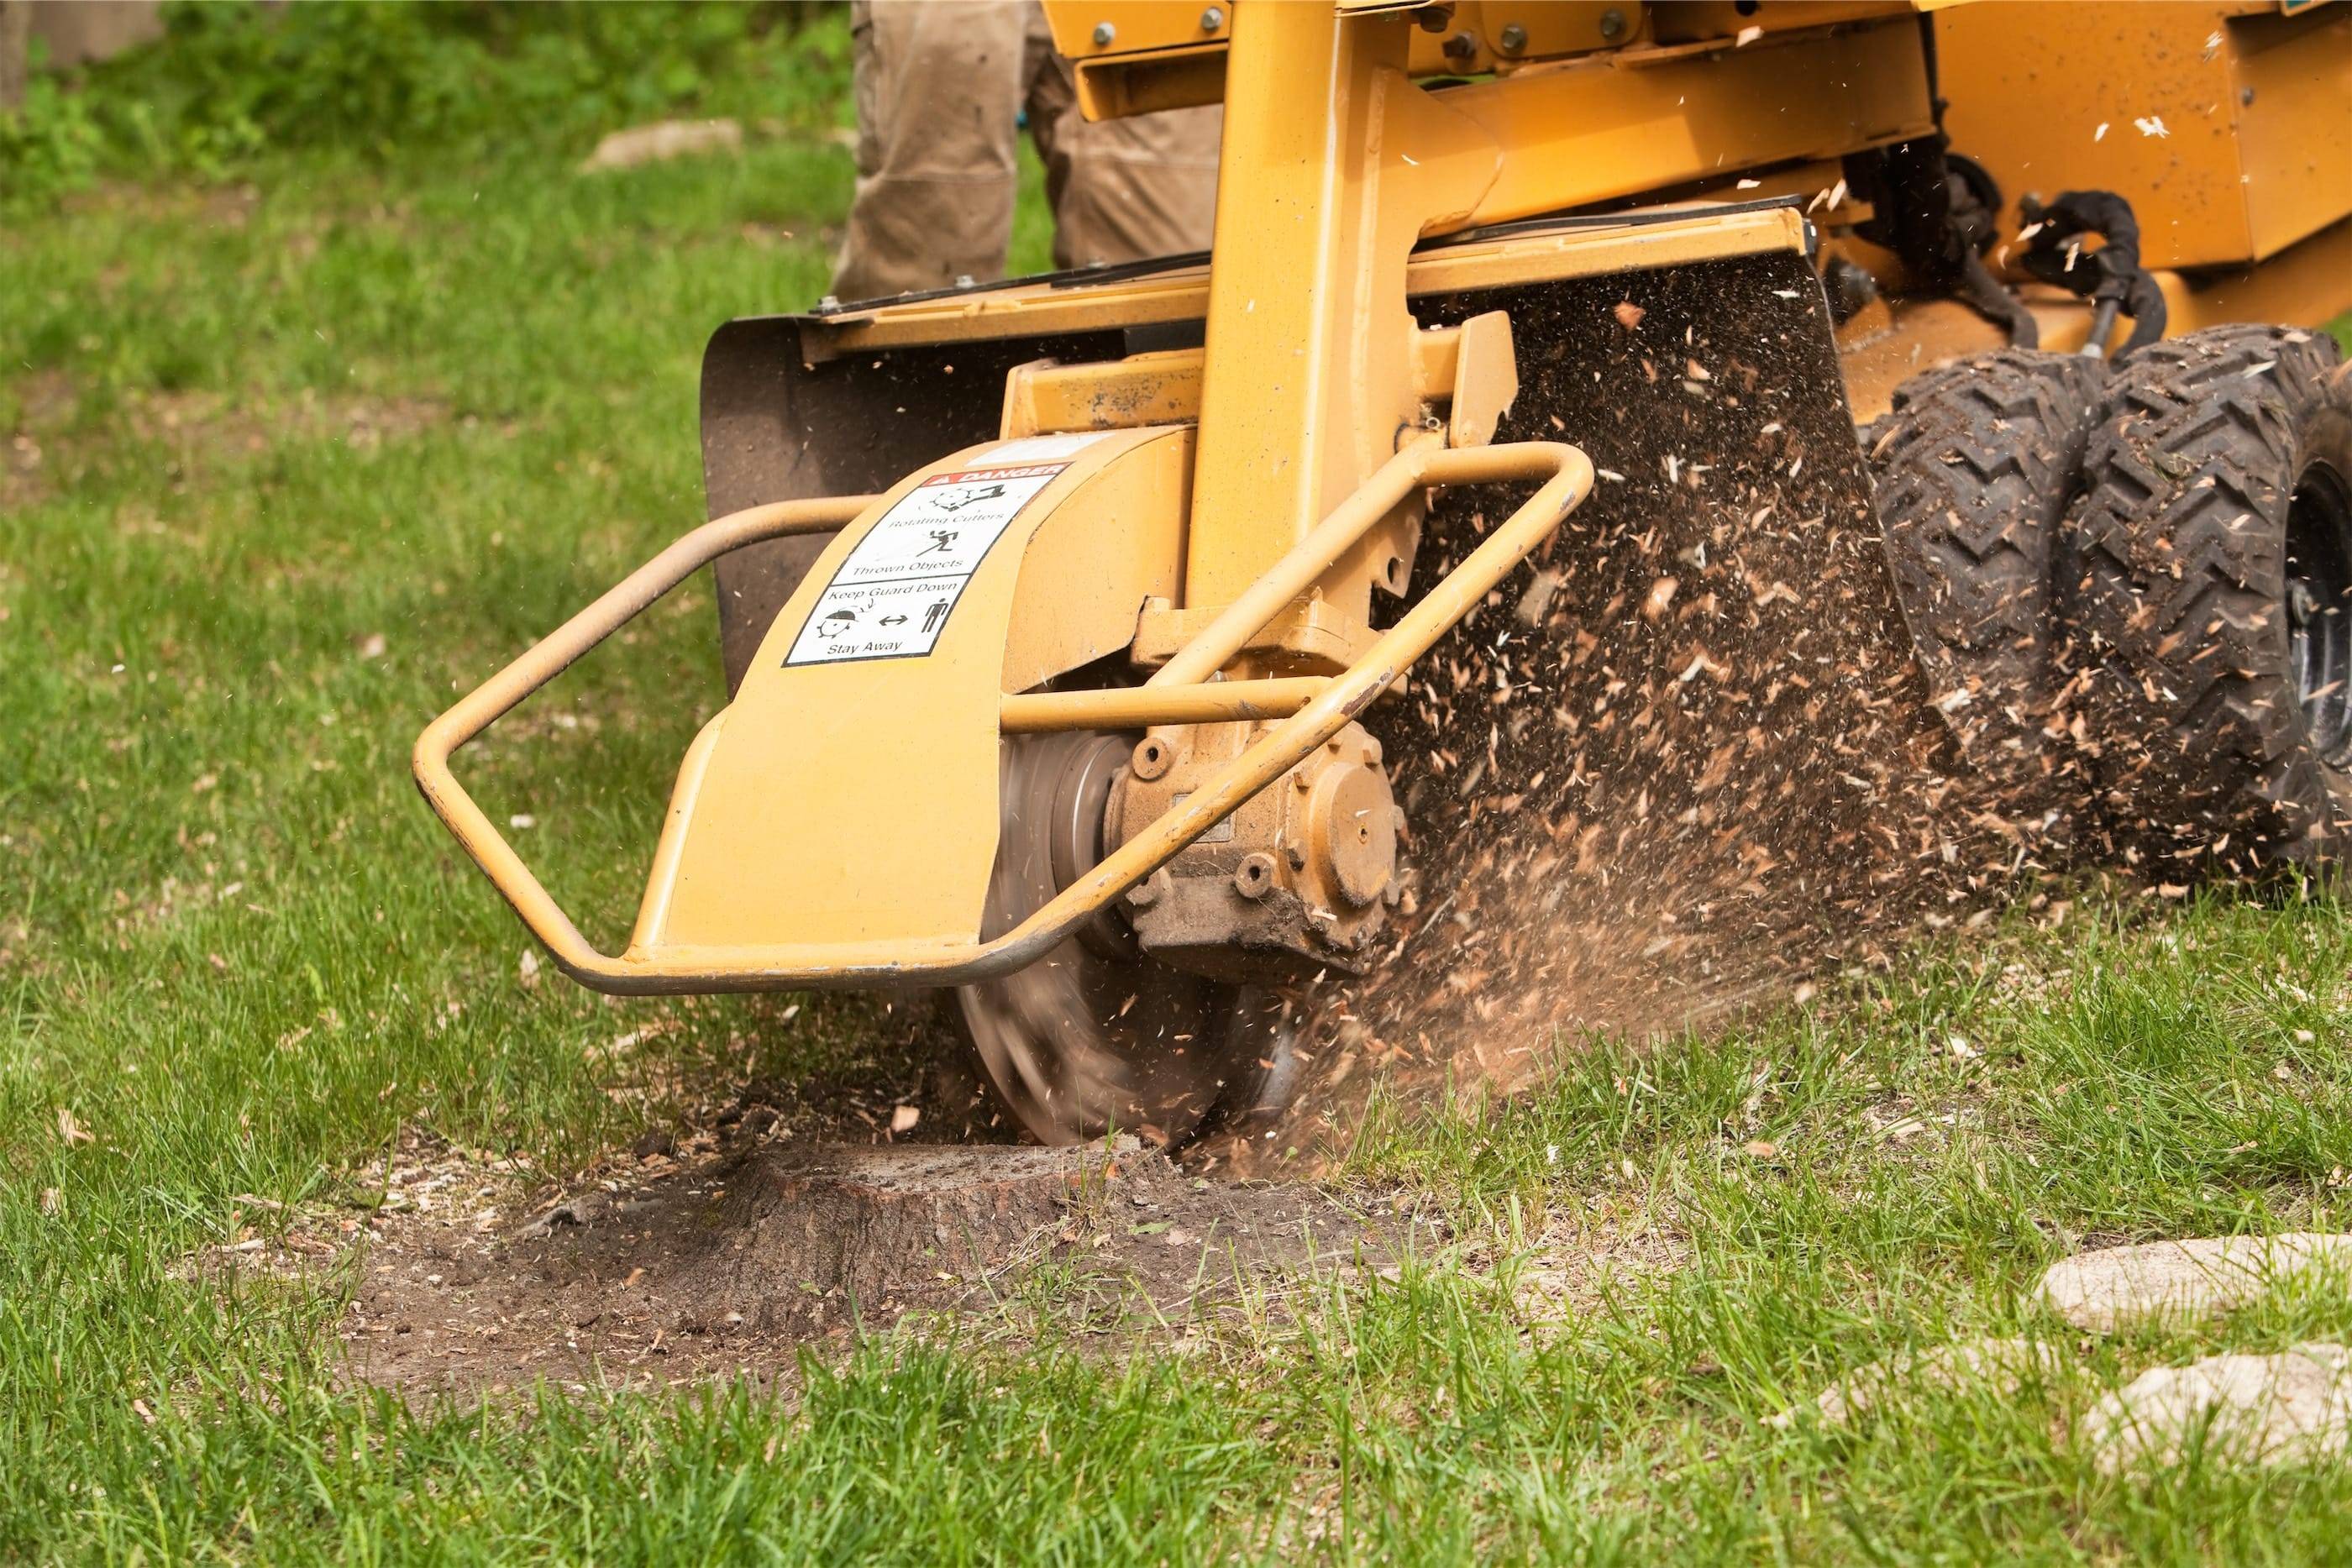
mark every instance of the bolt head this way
{"type": "Point", "coordinates": [1212, 18]}
{"type": "Point", "coordinates": [1513, 37]}
{"type": "Point", "coordinates": [1104, 33]}
{"type": "Point", "coordinates": [1461, 47]}
{"type": "Point", "coordinates": [1612, 24]}
{"type": "Point", "coordinates": [1254, 878]}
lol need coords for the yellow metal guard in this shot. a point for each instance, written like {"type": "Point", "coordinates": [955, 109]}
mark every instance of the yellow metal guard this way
{"type": "Point", "coordinates": [1318, 710]}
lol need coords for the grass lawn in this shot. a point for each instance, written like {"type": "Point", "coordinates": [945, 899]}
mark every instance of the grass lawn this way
{"type": "Point", "coordinates": [284, 463]}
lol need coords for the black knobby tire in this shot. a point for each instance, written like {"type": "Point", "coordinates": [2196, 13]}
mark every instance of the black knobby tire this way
{"type": "Point", "coordinates": [1974, 470]}
{"type": "Point", "coordinates": [2215, 559]}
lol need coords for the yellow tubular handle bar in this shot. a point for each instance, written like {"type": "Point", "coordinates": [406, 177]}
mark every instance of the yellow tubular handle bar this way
{"type": "Point", "coordinates": [1318, 709]}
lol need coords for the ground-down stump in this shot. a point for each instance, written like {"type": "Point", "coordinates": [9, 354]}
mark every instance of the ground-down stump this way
{"type": "Point", "coordinates": [868, 1224]}
{"type": "Point", "coordinates": [737, 1261]}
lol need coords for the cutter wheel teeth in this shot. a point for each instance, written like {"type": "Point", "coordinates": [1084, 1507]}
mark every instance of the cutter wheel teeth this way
{"type": "Point", "coordinates": [1974, 470]}
{"type": "Point", "coordinates": [1096, 1036]}
{"type": "Point", "coordinates": [2215, 543]}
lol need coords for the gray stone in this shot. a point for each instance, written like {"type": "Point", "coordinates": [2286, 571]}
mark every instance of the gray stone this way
{"type": "Point", "coordinates": [2002, 1366]}
{"type": "Point", "coordinates": [2105, 1290]}
{"type": "Point", "coordinates": [663, 140]}
{"type": "Point", "coordinates": [2255, 1409]}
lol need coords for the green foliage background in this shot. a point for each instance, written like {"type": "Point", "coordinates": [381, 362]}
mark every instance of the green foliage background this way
{"type": "Point", "coordinates": [232, 82]}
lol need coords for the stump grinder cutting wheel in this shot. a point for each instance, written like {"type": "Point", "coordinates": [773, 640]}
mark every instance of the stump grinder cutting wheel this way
{"type": "Point", "coordinates": [1096, 1034]}
{"type": "Point", "coordinates": [1462, 595]}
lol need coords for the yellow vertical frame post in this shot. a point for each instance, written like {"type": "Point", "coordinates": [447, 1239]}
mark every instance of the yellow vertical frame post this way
{"type": "Point", "coordinates": [1333, 163]}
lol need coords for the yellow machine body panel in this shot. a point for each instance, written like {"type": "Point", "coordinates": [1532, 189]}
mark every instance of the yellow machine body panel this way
{"type": "Point", "coordinates": [1022, 309]}
{"type": "Point", "coordinates": [1134, 57]}
{"type": "Point", "coordinates": [848, 795]}
{"type": "Point", "coordinates": [2223, 124]}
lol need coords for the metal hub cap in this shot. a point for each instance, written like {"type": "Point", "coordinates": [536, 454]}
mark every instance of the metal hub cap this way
{"type": "Point", "coordinates": [2319, 607]}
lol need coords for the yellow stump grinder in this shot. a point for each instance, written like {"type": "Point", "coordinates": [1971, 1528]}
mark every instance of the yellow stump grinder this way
{"type": "Point", "coordinates": [1475, 548]}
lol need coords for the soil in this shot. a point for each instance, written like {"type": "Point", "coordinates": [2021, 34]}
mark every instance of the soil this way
{"type": "Point", "coordinates": [45, 445]}
{"type": "Point", "coordinates": [663, 1271]}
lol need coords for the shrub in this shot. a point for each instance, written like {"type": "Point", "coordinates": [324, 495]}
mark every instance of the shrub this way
{"type": "Point", "coordinates": [48, 145]}
{"type": "Point", "coordinates": [230, 82]}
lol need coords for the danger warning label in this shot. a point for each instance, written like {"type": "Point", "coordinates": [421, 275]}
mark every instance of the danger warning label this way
{"type": "Point", "coordinates": [892, 594]}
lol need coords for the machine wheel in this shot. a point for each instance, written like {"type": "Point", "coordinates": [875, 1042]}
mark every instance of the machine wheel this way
{"type": "Point", "coordinates": [1974, 470]}
{"type": "Point", "coordinates": [1096, 1035]}
{"type": "Point", "coordinates": [2216, 560]}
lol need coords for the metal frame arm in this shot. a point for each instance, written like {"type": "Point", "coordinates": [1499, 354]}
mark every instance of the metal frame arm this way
{"type": "Point", "coordinates": [498, 695]}
{"type": "Point", "coordinates": [1322, 709]}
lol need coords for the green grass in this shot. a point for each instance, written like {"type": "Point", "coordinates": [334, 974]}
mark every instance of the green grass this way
{"type": "Point", "coordinates": [442, 407]}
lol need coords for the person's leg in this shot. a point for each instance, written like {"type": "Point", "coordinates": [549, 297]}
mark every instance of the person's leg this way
{"type": "Point", "coordinates": [938, 96]}
{"type": "Point", "coordinates": [1122, 189]}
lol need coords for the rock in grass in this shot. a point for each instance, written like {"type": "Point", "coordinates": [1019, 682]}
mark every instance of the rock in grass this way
{"type": "Point", "coordinates": [2284, 1409]}
{"type": "Point", "coordinates": [2104, 1290]}
{"type": "Point", "coordinates": [663, 140]}
{"type": "Point", "coordinates": [2001, 1366]}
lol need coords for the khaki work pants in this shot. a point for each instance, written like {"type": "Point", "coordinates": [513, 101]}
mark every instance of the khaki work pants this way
{"type": "Point", "coordinates": [941, 85]}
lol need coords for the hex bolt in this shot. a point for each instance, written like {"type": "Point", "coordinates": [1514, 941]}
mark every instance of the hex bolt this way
{"type": "Point", "coordinates": [1104, 33]}
{"type": "Point", "coordinates": [1254, 877]}
{"type": "Point", "coordinates": [1461, 47]}
{"type": "Point", "coordinates": [1212, 18]}
{"type": "Point", "coordinates": [1513, 37]}
{"type": "Point", "coordinates": [1151, 758]}
{"type": "Point", "coordinates": [1612, 24]}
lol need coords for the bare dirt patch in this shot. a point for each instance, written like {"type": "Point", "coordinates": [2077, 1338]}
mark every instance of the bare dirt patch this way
{"type": "Point", "coordinates": [197, 423]}
{"type": "Point", "coordinates": [731, 1263]}
{"type": "Point", "coordinates": [44, 404]}
{"type": "Point", "coordinates": [51, 439]}
{"type": "Point", "coordinates": [1583, 1257]}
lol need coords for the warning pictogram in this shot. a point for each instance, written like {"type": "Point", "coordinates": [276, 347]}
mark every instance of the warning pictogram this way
{"type": "Point", "coordinates": [892, 595]}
